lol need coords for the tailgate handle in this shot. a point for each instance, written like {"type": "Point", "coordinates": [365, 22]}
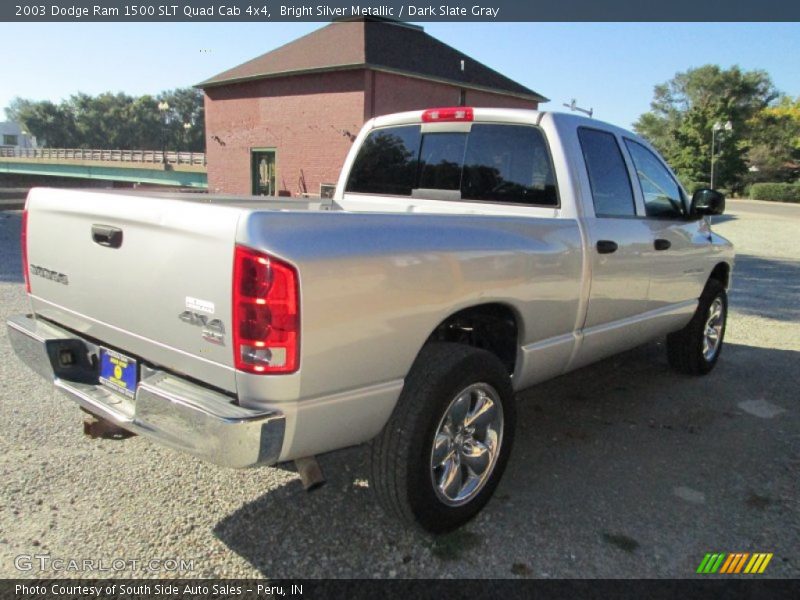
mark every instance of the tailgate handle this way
{"type": "Point", "coordinates": [108, 236]}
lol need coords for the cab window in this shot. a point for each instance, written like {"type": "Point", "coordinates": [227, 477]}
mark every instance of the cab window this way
{"type": "Point", "coordinates": [386, 162]}
{"type": "Point", "coordinates": [662, 195]}
{"type": "Point", "coordinates": [612, 194]}
{"type": "Point", "coordinates": [441, 160]}
{"type": "Point", "coordinates": [508, 164]}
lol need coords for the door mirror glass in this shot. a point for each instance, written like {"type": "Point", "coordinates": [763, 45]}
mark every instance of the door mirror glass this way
{"type": "Point", "coordinates": [707, 202]}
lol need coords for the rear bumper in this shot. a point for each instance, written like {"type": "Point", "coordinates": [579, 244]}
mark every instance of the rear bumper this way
{"type": "Point", "coordinates": [169, 409]}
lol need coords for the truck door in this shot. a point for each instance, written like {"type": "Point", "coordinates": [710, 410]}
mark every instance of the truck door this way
{"type": "Point", "coordinates": [679, 247]}
{"type": "Point", "coordinates": [618, 240]}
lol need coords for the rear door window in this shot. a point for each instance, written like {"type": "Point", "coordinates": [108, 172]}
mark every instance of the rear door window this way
{"type": "Point", "coordinates": [509, 164]}
{"type": "Point", "coordinates": [612, 194]}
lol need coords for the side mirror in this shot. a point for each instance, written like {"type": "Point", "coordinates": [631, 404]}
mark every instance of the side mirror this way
{"type": "Point", "coordinates": [707, 202]}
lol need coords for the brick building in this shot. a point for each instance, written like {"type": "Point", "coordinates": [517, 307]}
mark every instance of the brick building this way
{"type": "Point", "coordinates": [283, 123]}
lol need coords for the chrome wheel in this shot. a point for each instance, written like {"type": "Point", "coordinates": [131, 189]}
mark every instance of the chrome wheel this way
{"type": "Point", "coordinates": [466, 444]}
{"type": "Point", "coordinates": [712, 334]}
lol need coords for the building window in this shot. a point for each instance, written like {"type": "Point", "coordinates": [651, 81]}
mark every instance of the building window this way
{"type": "Point", "coordinates": [10, 140]}
{"type": "Point", "coordinates": [462, 97]}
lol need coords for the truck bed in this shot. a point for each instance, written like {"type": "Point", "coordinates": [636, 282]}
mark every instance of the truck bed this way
{"type": "Point", "coordinates": [390, 271]}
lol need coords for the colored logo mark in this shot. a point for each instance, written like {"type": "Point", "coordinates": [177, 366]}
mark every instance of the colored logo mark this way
{"type": "Point", "coordinates": [737, 562]}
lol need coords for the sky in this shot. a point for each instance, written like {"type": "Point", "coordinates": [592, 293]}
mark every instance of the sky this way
{"type": "Point", "coordinates": [610, 67]}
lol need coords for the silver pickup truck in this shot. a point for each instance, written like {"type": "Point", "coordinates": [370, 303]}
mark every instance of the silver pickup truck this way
{"type": "Point", "coordinates": [467, 254]}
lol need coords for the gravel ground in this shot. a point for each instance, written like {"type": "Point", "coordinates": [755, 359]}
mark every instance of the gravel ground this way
{"type": "Point", "coordinates": [622, 469]}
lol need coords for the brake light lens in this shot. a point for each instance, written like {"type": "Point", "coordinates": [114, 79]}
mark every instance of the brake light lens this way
{"type": "Point", "coordinates": [454, 113]}
{"type": "Point", "coordinates": [266, 320]}
{"type": "Point", "coordinates": [23, 241]}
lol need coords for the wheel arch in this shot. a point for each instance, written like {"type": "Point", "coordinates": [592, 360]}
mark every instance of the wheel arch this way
{"type": "Point", "coordinates": [722, 273]}
{"type": "Point", "coordinates": [492, 326]}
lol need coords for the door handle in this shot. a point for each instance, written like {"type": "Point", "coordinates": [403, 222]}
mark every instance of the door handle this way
{"type": "Point", "coordinates": [606, 246]}
{"type": "Point", "coordinates": [105, 235]}
{"type": "Point", "coordinates": [661, 244]}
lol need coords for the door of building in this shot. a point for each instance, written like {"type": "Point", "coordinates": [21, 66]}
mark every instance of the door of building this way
{"type": "Point", "coordinates": [263, 170]}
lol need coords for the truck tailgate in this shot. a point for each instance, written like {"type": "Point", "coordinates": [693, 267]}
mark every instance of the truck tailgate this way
{"type": "Point", "coordinates": [163, 295]}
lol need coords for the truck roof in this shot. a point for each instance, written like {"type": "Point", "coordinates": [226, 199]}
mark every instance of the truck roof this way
{"type": "Point", "coordinates": [501, 115]}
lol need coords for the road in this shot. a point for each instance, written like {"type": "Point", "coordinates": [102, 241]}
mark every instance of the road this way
{"type": "Point", "coordinates": [622, 469]}
{"type": "Point", "coordinates": [758, 207]}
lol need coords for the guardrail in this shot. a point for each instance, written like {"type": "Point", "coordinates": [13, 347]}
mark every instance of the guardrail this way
{"type": "Point", "coordinates": [135, 156]}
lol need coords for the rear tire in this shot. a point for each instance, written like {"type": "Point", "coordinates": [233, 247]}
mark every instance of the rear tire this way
{"type": "Point", "coordinates": [695, 349]}
{"type": "Point", "coordinates": [440, 457]}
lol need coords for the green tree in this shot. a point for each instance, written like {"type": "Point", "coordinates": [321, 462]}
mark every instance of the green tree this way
{"type": "Point", "coordinates": [116, 121]}
{"type": "Point", "coordinates": [774, 148]}
{"type": "Point", "coordinates": [186, 119]}
{"type": "Point", "coordinates": [684, 110]}
{"type": "Point", "coordinates": [50, 123]}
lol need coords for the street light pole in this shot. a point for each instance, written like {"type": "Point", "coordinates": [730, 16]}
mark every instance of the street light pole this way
{"type": "Point", "coordinates": [718, 126]}
{"type": "Point", "coordinates": [187, 127]}
{"type": "Point", "coordinates": [163, 107]}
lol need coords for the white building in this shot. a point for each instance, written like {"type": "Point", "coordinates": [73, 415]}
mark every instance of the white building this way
{"type": "Point", "coordinates": [13, 135]}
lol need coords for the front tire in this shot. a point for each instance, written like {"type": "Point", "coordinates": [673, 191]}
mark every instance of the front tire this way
{"type": "Point", "coordinates": [442, 453]}
{"type": "Point", "coordinates": [695, 349]}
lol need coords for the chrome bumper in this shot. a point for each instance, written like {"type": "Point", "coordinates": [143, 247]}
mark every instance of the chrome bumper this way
{"type": "Point", "coordinates": [166, 408]}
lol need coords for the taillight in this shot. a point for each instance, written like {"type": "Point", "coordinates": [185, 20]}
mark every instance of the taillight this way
{"type": "Point", "coordinates": [23, 242]}
{"type": "Point", "coordinates": [266, 319]}
{"type": "Point", "coordinates": [455, 113]}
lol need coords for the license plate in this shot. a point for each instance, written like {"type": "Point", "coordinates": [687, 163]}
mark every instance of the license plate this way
{"type": "Point", "coordinates": [118, 372]}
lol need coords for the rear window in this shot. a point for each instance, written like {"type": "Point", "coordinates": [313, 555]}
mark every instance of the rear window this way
{"type": "Point", "coordinates": [493, 163]}
{"type": "Point", "coordinates": [387, 162]}
{"type": "Point", "coordinates": [441, 160]}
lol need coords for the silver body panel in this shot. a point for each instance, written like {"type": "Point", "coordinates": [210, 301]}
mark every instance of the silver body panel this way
{"type": "Point", "coordinates": [377, 275]}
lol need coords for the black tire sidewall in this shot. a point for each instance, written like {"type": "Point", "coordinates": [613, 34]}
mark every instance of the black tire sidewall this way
{"type": "Point", "coordinates": [712, 292]}
{"type": "Point", "coordinates": [476, 366]}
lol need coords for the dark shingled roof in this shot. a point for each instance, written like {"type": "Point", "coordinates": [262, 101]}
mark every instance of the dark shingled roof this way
{"type": "Point", "coordinates": [377, 44]}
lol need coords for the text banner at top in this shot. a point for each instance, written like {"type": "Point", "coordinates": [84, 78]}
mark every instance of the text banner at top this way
{"type": "Point", "coordinates": [452, 10]}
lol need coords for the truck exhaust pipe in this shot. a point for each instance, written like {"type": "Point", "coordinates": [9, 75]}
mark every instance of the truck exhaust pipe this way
{"type": "Point", "coordinates": [310, 473]}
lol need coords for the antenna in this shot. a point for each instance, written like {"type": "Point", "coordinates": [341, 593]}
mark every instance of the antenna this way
{"type": "Point", "coordinates": [573, 106]}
